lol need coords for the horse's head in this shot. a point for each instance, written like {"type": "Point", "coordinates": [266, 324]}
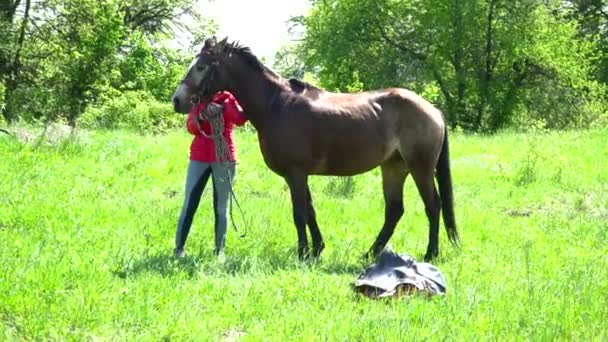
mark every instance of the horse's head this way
{"type": "Point", "coordinates": [202, 80]}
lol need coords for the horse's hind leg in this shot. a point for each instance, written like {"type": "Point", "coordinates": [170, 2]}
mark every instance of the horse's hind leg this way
{"type": "Point", "coordinates": [393, 177]}
{"type": "Point", "coordinates": [432, 206]}
{"type": "Point", "coordinates": [317, 240]}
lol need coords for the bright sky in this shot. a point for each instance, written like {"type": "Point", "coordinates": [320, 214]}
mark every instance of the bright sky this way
{"type": "Point", "coordinates": [259, 24]}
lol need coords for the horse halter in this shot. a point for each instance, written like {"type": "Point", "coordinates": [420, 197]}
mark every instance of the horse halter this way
{"type": "Point", "coordinates": [203, 88]}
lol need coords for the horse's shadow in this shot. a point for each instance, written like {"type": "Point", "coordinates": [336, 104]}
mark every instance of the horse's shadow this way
{"type": "Point", "coordinates": [166, 265]}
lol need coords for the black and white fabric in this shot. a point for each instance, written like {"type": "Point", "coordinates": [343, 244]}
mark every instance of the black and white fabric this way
{"type": "Point", "coordinates": [398, 275]}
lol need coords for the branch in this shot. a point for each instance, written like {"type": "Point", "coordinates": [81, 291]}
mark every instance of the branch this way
{"type": "Point", "coordinates": [17, 3]}
{"type": "Point", "coordinates": [5, 131]}
{"type": "Point", "coordinates": [421, 57]}
{"type": "Point", "coordinates": [523, 69]}
{"type": "Point", "coordinates": [603, 13]}
{"type": "Point", "coordinates": [418, 55]}
{"type": "Point", "coordinates": [152, 18]}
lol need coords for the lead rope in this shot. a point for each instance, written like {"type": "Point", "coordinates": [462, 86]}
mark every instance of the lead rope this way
{"type": "Point", "coordinates": [213, 114]}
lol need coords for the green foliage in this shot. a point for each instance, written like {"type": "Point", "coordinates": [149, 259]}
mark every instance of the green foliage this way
{"type": "Point", "coordinates": [2, 89]}
{"type": "Point", "coordinates": [592, 17]}
{"type": "Point", "coordinates": [87, 228]}
{"type": "Point", "coordinates": [77, 53]}
{"type": "Point", "coordinates": [495, 63]}
{"type": "Point", "coordinates": [341, 39]}
{"type": "Point", "coordinates": [87, 43]}
{"type": "Point", "coordinates": [356, 85]}
{"type": "Point", "coordinates": [310, 78]}
{"type": "Point", "coordinates": [487, 64]}
{"type": "Point", "coordinates": [134, 110]}
{"type": "Point", "coordinates": [149, 67]}
{"type": "Point", "coordinates": [289, 61]}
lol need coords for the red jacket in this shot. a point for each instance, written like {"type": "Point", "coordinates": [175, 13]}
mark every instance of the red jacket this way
{"type": "Point", "coordinates": [202, 148]}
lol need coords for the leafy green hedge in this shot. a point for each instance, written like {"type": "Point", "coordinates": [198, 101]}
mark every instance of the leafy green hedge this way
{"type": "Point", "coordinates": [134, 110]}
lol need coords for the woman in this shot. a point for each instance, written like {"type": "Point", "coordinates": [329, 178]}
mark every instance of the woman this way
{"type": "Point", "coordinates": [203, 163]}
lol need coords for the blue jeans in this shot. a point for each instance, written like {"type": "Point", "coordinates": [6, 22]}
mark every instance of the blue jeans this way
{"type": "Point", "coordinates": [196, 180]}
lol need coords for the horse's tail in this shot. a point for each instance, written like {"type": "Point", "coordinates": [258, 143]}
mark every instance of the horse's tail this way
{"type": "Point", "coordinates": [444, 180]}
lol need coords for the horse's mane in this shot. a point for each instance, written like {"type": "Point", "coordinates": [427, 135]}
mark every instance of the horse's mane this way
{"type": "Point", "coordinates": [242, 51]}
{"type": "Point", "coordinates": [299, 87]}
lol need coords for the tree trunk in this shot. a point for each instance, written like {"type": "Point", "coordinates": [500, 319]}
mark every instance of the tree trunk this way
{"type": "Point", "coordinates": [14, 68]}
{"type": "Point", "coordinates": [488, 71]}
{"type": "Point", "coordinates": [457, 63]}
{"type": "Point", "coordinates": [8, 9]}
{"type": "Point", "coordinates": [449, 99]}
{"type": "Point", "coordinates": [500, 118]}
{"type": "Point", "coordinates": [8, 110]}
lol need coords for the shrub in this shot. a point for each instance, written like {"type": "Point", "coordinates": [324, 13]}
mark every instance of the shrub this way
{"type": "Point", "coordinates": [133, 110]}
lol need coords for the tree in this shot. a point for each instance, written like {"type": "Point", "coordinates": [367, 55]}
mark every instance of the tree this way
{"type": "Point", "coordinates": [486, 63]}
{"type": "Point", "coordinates": [60, 56]}
{"type": "Point", "coordinates": [592, 16]}
{"type": "Point", "coordinates": [289, 61]}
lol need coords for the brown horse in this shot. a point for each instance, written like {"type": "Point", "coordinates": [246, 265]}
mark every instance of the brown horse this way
{"type": "Point", "coordinates": [304, 130]}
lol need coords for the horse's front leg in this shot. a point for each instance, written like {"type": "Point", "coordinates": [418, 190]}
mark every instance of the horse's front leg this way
{"type": "Point", "coordinates": [315, 233]}
{"type": "Point", "coordinates": [298, 186]}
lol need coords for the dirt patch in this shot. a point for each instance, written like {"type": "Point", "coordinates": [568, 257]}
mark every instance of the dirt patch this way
{"type": "Point", "coordinates": [54, 134]}
{"type": "Point", "coordinates": [170, 193]}
{"type": "Point", "coordinates": [519, 212]}
{"type": "Point", "coordinates": [592, 204]}
{"type": "Point", "coordinates": [234, 334]}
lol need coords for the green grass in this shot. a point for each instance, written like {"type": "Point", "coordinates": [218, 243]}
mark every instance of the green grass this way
{"type": "Point", "coordinates": [87, 227]}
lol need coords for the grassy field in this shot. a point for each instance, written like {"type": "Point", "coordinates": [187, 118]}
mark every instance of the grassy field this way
{"type": "Point", "coordinates": [87, 227]}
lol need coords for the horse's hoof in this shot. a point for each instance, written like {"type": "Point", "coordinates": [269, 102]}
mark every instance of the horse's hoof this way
{"type": "Point", "coordinates": [179, 253]}
{"type": "Point", "coordinates": [316, 250]}
{"type": "Point", "coordinates": [430, 255]}
{"type": "Point", "coordinates": [367, 256]}
{"type": "Point", "coordinates": [303, 253]}
{"type": "Point", "coordinates": [372, 253]}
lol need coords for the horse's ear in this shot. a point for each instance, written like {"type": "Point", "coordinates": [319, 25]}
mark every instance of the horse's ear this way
{"type": "Point", "coordinates": [222, 44]}
{"type": "Point", "coordinates": [209, 44]}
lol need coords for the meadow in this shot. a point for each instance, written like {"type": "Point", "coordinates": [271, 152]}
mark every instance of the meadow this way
{"type": "Point", "coordinates": [87, 224]}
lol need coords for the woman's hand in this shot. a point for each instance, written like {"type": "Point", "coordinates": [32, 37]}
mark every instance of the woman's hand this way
{"type": "Point", "coordinates": [213, 110]}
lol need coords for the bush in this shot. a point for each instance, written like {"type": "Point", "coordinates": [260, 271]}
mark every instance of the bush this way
{"type": "Point", "coordinates": [134, 110]}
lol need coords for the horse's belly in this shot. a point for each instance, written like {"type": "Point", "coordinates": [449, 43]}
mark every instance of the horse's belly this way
{"type": "Point", "coordinates": [355, 158]}
{"type": "Point", "coordinates": [342, 153]}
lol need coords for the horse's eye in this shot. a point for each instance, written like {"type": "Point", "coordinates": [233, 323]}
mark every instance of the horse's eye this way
{"type": "Point", "coordinates": [201, 68]}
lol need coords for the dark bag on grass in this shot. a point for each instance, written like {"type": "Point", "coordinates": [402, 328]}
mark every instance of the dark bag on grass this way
{"type": "Point", "coordinates": [396, 275]}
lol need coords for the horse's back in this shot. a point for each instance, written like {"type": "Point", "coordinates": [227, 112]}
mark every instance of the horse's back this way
{"type": "Point", "coordinates": [350, 133]}
{"type": "Point", "coordinates": [392, 101]}
{"type": "Point", "coordinates": [339, 134]}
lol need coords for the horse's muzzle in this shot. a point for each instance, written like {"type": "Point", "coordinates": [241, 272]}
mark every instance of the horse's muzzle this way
{"type": "Point", "coordinates": [180, 106]}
